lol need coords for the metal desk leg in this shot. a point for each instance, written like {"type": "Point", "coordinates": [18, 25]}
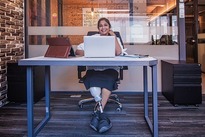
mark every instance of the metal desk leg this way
{"type": "Point", "coordinates": [146, 112]}
{"type": "Point", "coordinates": [153, 126]}
{"type": "Point", "coordinates": [47, 91]}
{"type": "Point", "coordinates": [155, 100]}
{"type": "Point", "coordinates": [146, 107]}
{"type": "Point", "coordinates": [31, 131]}
{"type": "Point", "coordinates": [47, 101]}
{"type": "Point", "coordinates": [29, 77]}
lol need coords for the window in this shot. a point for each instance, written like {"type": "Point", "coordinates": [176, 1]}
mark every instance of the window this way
{"type": "Point", "coordinates": [139, 21]}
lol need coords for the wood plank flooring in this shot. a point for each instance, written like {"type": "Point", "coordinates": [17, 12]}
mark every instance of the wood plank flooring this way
{"type": "Point", "coordinates": [68, 120]}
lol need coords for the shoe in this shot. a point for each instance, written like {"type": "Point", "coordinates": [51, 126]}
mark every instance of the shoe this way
{"type": "Point", "coordinates": [95, 120]}
{"type": "Point", "coordinates": [104, 123]}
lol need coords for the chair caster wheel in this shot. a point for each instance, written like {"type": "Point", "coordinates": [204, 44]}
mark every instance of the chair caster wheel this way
{"type": "Point", "coordinates": [80, 105]}
{"type": "Point", "coordinates": [176, 105]}
{"type": "Point", "coordinates": [119, 109]}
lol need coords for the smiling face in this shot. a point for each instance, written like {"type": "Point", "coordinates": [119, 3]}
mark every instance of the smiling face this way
{"type": "Point", "coordinates": [104, 27]}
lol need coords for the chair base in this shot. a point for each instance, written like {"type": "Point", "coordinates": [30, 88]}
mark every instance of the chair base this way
{"type": "Point", "coordinates": [113, 99]}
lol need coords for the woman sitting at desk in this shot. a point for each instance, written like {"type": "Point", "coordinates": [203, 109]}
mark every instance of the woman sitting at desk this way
{"type": "Point", "coordinates": [101, 81]}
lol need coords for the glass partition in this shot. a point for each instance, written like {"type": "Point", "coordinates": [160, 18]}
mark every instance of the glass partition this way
{"type": "Point", "coordinates": [144, 22]}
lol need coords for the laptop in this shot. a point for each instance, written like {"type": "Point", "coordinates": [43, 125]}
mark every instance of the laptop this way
{"type": "Point", "coordinates": [99, 46]}
{"type": "Point", "coordinates": [59, 47]}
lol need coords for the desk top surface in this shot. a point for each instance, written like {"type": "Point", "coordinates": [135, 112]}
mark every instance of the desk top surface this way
{"type": "Point", "coordinates": [82, 61]}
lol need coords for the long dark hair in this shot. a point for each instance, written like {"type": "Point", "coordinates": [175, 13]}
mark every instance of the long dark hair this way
{"type": "Point", "coordinates": [106, 20]}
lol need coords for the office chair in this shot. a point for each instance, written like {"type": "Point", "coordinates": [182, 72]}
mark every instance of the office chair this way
{"type": "Point", "coordinates": [113, 97]}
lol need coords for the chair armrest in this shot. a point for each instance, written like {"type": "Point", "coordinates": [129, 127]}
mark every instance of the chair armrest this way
{"type": "Point", "coordinates": [125, 67]}
{"type": "Point", "coordinates": [121, 71]}
{"type": "Point", "coordinates": [80, 70]}
{"type": "Point", "coordinates": [121, 74]}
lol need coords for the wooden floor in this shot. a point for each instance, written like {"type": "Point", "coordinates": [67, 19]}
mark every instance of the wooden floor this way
{"type": "Point", "coordinates": [68, 120]}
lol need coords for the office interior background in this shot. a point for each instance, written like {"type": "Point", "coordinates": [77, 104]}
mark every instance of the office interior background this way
{"type": "Point", "coordinates": [146, 26]}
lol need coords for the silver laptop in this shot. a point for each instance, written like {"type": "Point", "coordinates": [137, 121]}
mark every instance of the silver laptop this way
{"type": "Point", "coordinates": [99, 46]}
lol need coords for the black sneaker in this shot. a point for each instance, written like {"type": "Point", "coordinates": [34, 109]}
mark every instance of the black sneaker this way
{"type": "Point", "coordinates": [104, 123]}
{"type": "Point", "coordinates": [95, 120]}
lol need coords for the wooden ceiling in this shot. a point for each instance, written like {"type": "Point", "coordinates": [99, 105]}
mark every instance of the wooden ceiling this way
{"type": "Point", "coordinates": [100, 3]}
{"type": "Point", "coordinates": [151, 6]}
{"type": "Point", "coordinates": [95, 1]}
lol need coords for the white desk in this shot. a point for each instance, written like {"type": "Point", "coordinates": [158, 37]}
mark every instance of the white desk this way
{"type": "Point", "coordinates": [81, 61]}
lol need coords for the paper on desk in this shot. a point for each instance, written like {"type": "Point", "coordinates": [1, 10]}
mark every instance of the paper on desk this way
{"type": "Point", "coordinates": [135, 56]}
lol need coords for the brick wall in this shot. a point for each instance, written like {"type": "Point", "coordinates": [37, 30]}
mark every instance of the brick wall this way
{"type": "Point", "coordinates": [11, 39]}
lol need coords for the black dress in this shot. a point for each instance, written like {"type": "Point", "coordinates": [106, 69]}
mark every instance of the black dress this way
{"type": "Point", "coordinates": [104, 79]}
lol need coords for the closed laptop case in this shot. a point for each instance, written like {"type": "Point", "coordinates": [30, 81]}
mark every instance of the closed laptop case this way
{"type": "Point", "coordinates": [59, 47]}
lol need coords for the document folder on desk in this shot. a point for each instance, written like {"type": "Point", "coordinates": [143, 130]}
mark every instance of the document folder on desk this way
{"type": "Point", "coordinates": [136, 56]}
{"type": "Point", "coordinates": [59, 47]}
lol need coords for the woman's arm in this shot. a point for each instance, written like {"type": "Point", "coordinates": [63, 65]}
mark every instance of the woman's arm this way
{"type": "Point", "coordinates": [79, 52]}
{"type": "Point", "coordinates": [118, 49]}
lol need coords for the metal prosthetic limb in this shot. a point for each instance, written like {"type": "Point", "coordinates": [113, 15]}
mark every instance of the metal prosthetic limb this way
{"type": "Point", "coordinates": [96, 93]}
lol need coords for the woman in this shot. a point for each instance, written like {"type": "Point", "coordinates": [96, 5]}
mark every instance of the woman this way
{"type": "Point", "coordinates": [102, 79]}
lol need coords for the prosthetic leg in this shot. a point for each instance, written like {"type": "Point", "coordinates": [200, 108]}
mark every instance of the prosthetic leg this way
{"type": "Point", "coordinates": [96, 93]}
{"type": "Point", "coordinates": [99, 122]}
